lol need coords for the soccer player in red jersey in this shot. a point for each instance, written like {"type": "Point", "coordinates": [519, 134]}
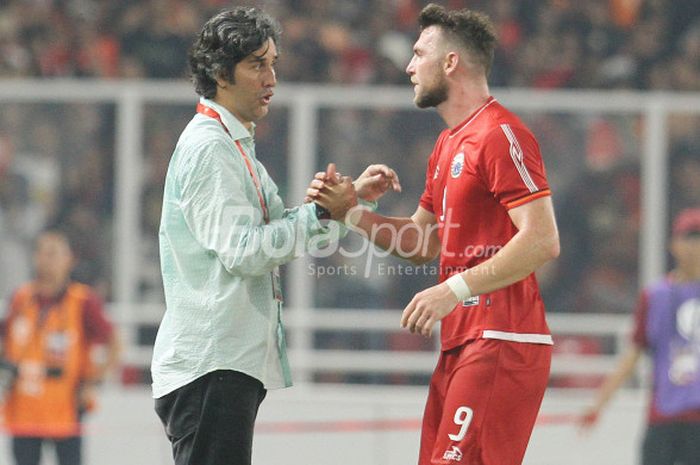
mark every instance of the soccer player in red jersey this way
{"type": "Point", "coordinates": [487, 212]}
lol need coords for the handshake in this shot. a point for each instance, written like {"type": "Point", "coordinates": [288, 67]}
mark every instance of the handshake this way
{"type": "Point", "coordinates": [339, 194]}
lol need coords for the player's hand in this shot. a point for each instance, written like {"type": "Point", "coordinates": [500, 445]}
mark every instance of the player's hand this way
{"type": "Point", "coordinates": [87, 397]}
{"type": "Point", "coordinates": [338, 196]}
{"type": "Point", "coordinates": [588, 420]}
{"type": "Point", "coordinates": [427, 308]}
{"type": "Point", "coordinates": [375, 181]}
{"type": "Point", "coordinates": [330, 177]}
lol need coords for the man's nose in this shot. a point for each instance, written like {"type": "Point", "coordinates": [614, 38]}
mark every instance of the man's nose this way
{"type": "Point", "coordinates": [270, 78]}
{"type": "Point", "coordinates": [410, 69]}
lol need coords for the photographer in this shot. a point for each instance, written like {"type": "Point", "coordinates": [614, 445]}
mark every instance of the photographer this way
{"type": "Point", "coordinates": [49, 333]}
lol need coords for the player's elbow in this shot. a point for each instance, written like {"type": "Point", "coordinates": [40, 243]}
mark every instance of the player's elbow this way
{"type": "Point", "coordinates": [552, 247]}
{"type": "Point", "coordinates": [426, 255]}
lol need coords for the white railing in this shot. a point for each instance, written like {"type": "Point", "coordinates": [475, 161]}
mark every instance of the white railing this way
{"type": "Point", "coordinates": [308, 360]}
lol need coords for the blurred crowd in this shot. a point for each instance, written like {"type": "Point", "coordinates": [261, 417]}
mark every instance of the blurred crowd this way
{"type": "Point", "coordinates": [652, 44]}
{"type": "Point", "coordinates": [56, 160]}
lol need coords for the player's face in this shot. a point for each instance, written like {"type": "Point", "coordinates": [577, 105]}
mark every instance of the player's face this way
{"type": "Point", "coordinates": [53, 259]}
{"type": "Point", "coordinates": [425, 69]}
{"type": "Point", "coordinates": [686, 252]}
{"type": "Point", "coordinates": [253, 82]}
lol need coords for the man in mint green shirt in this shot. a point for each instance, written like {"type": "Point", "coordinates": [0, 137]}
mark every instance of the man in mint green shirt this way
{"type": "Point", "coordinates": [224, 232]}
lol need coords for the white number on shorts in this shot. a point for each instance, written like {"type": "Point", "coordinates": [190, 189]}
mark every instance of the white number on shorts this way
{"type": "Point", "coordinates": [463, 417]}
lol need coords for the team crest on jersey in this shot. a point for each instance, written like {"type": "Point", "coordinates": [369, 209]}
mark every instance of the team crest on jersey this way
{"type": "Point", "coordinates": [457, 165]}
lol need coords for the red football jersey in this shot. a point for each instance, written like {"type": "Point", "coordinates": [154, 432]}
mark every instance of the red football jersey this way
{"type": "Point", "coordinates": [479, 170]}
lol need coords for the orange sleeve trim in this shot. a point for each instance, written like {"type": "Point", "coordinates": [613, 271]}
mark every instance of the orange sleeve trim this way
{"type": "Point", "coordinates": [528, 198]}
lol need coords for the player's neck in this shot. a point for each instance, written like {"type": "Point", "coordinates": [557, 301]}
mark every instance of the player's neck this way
{"type": "Point", "coordinates": [463, 101]}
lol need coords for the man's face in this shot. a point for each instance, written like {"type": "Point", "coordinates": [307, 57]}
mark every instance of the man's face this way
{"type": "Point", "coordinates": [425, 69]}
{"type": "Point", "coordinates": [53, 259]}
{"type": "Point", "coordinates": [253, 83]}
{"type": "Point", "coordinates": [686, 251]}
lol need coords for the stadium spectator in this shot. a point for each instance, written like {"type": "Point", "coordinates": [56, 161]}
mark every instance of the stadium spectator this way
{"type": "Point", "coordinates": [547, 44]}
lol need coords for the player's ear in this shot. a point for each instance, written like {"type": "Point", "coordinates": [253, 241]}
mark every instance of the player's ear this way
{"type": "Point", "coordinates": [451, 62]}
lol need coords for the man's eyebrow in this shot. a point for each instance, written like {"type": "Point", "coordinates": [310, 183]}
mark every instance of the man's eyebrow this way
{"type": "Point", "coordinates": [261, 58]}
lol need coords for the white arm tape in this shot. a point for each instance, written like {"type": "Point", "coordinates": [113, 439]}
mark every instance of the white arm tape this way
{"type": "Point", "coordinates": [460, 288]}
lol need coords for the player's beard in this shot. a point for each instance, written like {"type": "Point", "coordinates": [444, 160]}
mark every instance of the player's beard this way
{"type": "Point", "coordinates": [434, 96]}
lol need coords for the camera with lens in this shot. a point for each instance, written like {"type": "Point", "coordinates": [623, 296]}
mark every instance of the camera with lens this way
{"type": "Point", "coordinates": [8, 375]}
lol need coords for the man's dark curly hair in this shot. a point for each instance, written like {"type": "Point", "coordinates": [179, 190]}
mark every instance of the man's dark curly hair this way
{"type": "Point", "coordinates": [471, 29]}
{"type": "Point", "coordinates": [224, 41]}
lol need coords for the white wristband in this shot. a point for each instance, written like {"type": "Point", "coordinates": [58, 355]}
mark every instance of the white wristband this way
{"type": "Point", "coordinates": [460, 288]}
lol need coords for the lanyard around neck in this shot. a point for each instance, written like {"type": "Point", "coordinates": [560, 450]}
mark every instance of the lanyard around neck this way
{"type": "Point", "coordinates": [211, 113]}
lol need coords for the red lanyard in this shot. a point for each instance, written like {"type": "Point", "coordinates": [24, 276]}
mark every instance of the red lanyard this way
{"type": "Point", "coordinates": [210, 112]}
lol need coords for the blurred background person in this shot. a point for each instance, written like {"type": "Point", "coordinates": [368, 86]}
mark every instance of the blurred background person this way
{"type": "Point", "coordinates": [51, 333]}
{"type": "Point", "coordinates": [667, 326]}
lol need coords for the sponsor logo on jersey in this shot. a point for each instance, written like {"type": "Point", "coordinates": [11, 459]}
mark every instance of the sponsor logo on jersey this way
{"type": "Point", "coordinates": [437, 172]}
{"type": "Point", "coordinates": [453, 454]}
{"type": "Point", "coordinates": [471, 301]}
{"type": "Point", "coordinates": [457, 165]}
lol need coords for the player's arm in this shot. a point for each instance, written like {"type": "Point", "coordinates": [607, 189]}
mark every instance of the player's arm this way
{"type": "Point", "coordinates": [415, 238]}
{"type": "Point", "coordinates": [535, 243]}
{"type": "Point", "coordinates": [625, 366]}
{"type": "Point", "coordinates": [101, 334]}
{"type": "Point", "coordinates": [611, 384]}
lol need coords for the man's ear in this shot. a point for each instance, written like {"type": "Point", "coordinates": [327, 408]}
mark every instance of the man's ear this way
{"type": "Point", "coordinates": [222, 80]}
{"type": "Point", "coordinates": [451, 62]}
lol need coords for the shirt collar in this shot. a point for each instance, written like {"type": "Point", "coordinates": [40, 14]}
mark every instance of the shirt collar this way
{"type": "Point", "coordinates": [471, 117]}
{"type": "Point", "coordinates": [234, 126]}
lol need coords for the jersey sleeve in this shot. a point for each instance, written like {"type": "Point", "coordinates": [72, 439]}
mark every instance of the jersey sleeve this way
{"type": "Point", "coordinates": [98, 329]}
{"type": "Point", "coordinates": [9, 312]}
{"type": "Point", "coordinates": [426, 200]}
{"type": "Point", "coordinates": [512, 166]}
{"type": "Point", "coordinates": [639, 334]}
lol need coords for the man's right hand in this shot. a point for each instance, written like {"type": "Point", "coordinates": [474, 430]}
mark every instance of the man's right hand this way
{"type": "Point", "coordinates": [337, 194]}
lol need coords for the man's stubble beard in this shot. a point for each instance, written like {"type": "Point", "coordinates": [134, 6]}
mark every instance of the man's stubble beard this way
{"type": "Point", "coordinates": [433, 97]}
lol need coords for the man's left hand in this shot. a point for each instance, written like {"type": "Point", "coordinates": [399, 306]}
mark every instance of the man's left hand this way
{"type": "Point", "coordinates": [427, 308]}
{"type": "Point", "coordinates": [375, 181]}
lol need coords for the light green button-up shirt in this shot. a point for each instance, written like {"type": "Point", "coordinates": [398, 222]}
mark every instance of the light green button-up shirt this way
{"type": "Point", "coordinates": [217, 255]}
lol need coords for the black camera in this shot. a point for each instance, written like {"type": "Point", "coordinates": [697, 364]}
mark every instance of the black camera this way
{"type": "Point", "coordinates": [8, 374]}
{"type": "Point", "coordinates": [54, 372]}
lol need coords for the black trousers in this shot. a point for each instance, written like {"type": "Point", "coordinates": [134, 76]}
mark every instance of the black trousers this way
{"type": "Point", "coordinates": [27, 450]}
{"type": "Point", "coordinates": [210, 420]}
{"type": "Point", "coordinates": [672, 444]}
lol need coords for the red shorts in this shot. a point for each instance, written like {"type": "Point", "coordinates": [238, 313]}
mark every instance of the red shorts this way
{"type": "Point", "coordinates": [483, 402]}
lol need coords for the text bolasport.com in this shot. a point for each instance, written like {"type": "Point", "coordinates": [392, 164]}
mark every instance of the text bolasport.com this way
{"type": "Point", "coordinates": [238, 228]}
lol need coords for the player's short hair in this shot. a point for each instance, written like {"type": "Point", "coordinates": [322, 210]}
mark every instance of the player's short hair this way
{"type": "Point", "coordinates": [225, 40]}
{"type": "Point", "coordinates": [471, 29]}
